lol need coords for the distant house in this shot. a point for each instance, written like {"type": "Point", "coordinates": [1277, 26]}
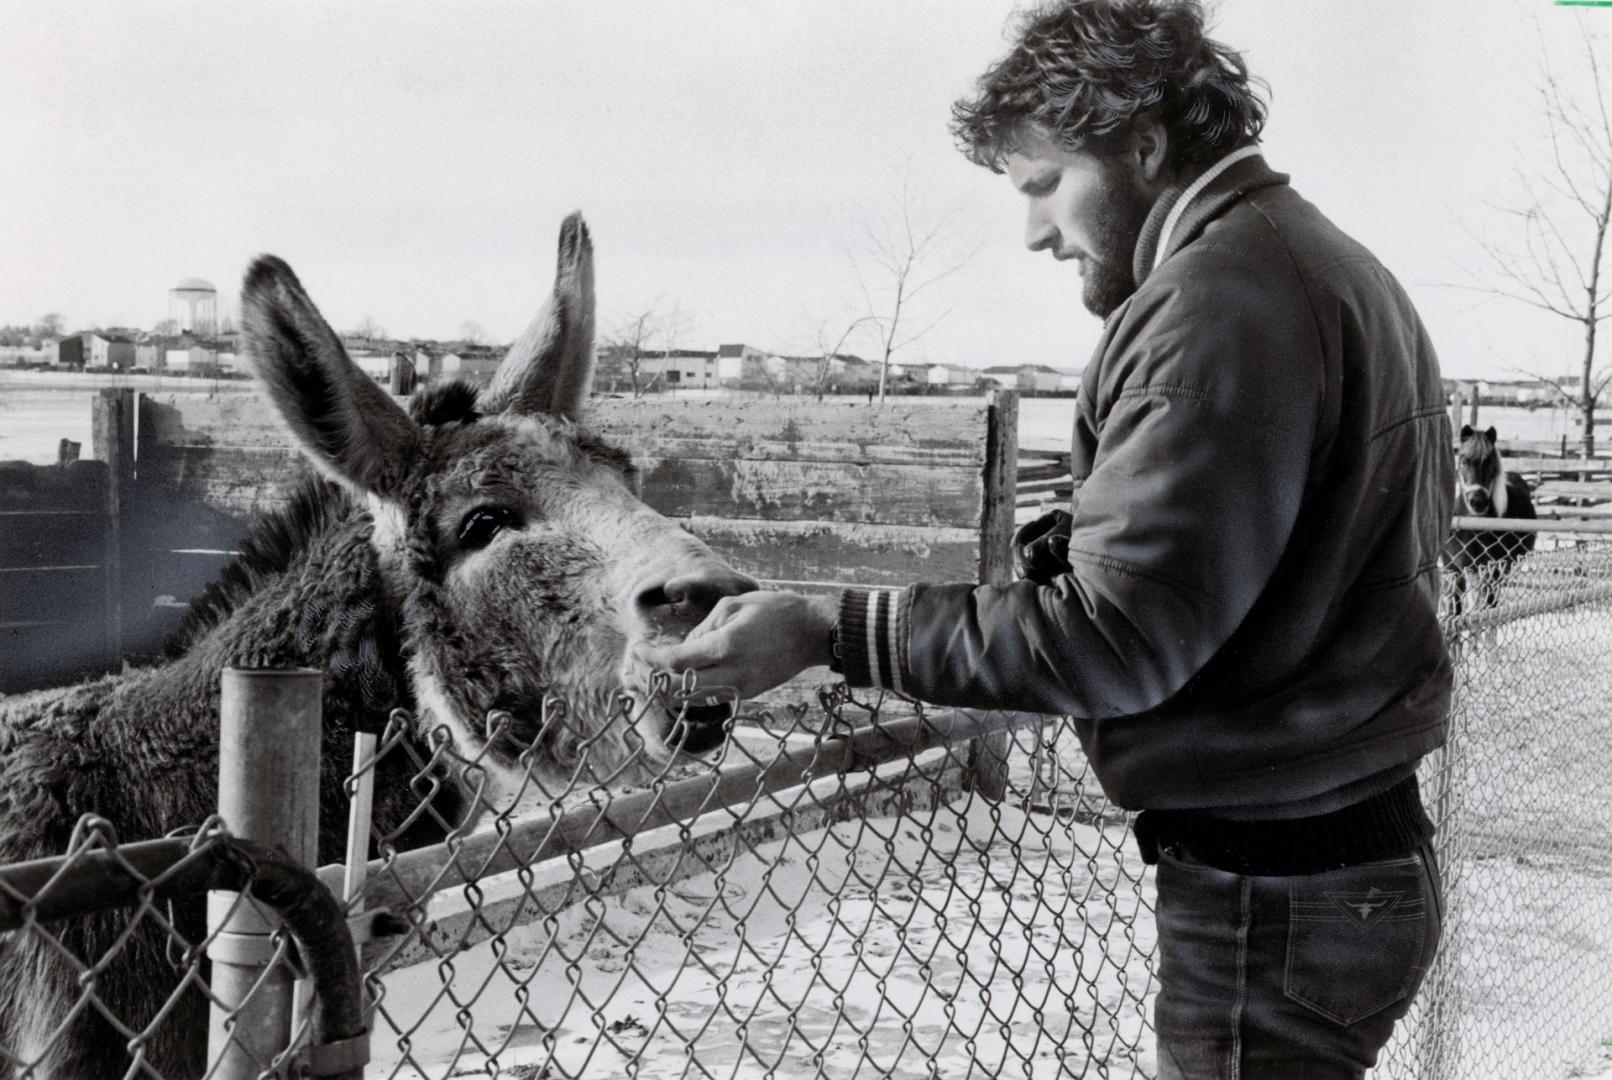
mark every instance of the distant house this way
{"type": "Point", "coordinates": [472, 363]}
{"type": "Point", "coordinates": [746, 365]}
{"type": "Point", "coordinates": [953, 376]}
{"type": "Point", "coordinates": [679, 369]}
{"type": "Point", "coordinates": [103, 349]}
{"type": "Point", "coordinates": [915, 373]}
{"type": "Point", "coordinates": [69, 351]}
{"type": "Point", "coordinates": [1027, 377]}
{"type": "Point", "coordinates": [197, 355]}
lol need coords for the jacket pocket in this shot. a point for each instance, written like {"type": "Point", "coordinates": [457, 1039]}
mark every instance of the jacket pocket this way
{"type": "Point", "coordinates": [1359, 939]}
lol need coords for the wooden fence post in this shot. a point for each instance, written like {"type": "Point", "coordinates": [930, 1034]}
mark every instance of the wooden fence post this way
{"type": "Point", "coordinates": [268, 791]}
{"type": "Point", "coordinates": [987, 771]}
{"type": "Point", "coordinates": [112, 436]}
{"type": "Point", "coordinates": [1457, 401]}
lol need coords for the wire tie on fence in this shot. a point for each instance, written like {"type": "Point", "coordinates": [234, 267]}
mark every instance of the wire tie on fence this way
{"type": "Point", "coordinates": [334, 1058]}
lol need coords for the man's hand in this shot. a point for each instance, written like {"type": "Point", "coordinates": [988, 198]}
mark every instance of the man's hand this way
{"type": "Point", "coordinates": [1041, 548]}
{"type": "Point", "coordinates": [752, 642]}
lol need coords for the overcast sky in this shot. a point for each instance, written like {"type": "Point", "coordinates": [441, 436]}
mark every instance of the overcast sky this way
{"type": "Point", "coordinates": [413, 161]}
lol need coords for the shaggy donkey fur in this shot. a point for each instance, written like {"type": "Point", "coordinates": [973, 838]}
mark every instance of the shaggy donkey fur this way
{"type": "Point", "coordinates": [478, 555]}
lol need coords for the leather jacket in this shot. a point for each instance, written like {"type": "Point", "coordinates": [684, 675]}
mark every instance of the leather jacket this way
{"type": "Point", "coordinates": [1248, 621]}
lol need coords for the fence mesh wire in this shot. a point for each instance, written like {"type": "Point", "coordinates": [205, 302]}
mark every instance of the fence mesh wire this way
{"type": "Point", "coordinates": [857, 887]}
{"type": "Point", "coordinates": [107, 948]}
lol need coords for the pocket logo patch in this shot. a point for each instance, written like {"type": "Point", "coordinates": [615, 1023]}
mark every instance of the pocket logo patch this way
{"type": "Point", "coordinates": [1365, 908]}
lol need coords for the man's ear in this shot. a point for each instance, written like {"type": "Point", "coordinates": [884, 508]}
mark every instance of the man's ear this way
{"type": "Point", "coordinates": [1150, 150]}
{"type": "Point", "coordinates": [345, 424]}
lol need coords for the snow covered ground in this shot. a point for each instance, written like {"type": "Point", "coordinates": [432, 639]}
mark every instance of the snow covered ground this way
{"type": "Point", "coordinates": [972, 940]}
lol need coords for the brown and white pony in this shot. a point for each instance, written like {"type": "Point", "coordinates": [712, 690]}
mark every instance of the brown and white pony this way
{"type": "Point", "coordinates": [482, 554]}
{"type": "Point", "coordinates": [1480, 559]}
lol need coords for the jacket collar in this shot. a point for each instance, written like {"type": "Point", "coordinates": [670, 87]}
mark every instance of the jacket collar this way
{"type": "Point", "coordinates": [1184, 208]}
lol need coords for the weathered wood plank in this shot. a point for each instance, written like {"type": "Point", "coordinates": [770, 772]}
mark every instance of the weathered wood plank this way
{"type": "Point", "coordinates": [1573, 489]}
{"type": "Point", "coordinates": [882, 555]}
{"type": "Point", "coordinates": [941, 434]}
{"type": "Point", "coordinates": [113, 431]}
{"type": "Point", "coordinates": [75, 486]}
{"type": "Point", "coordinates": [1558, 465]}
{"type": "Point", "coordinates": [236, 481]}
{"type": "Point", "coordinates": [999, 481]}
{"type": "Point", "coordinates": [68, 593]}
{"type": "Point", "coordinates": [39, 539]}
{"type": "Point", "coordinates": [814, 491]}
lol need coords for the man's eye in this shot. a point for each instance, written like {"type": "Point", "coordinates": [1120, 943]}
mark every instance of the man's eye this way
{"type": "Point", "coordinates": [478, 527]}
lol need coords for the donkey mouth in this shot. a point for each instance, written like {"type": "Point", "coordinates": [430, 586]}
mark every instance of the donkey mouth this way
{"type": "Point", "coordinates": [699, 728]}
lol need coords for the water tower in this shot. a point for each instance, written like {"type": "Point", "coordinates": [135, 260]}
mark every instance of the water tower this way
{"type": "Point", "coordinates": [193, 306]}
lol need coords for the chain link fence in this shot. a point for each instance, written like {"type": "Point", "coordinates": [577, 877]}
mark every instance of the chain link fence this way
{"type": "Point", "coordinates": [859, 887]}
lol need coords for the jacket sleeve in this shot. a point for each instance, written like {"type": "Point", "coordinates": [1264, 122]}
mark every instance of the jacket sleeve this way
{"type": "Point", "coordinates": [1207, 409]}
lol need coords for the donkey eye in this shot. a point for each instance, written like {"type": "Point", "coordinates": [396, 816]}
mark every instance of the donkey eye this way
{"type": "Point", "coordinates": [478, 527]}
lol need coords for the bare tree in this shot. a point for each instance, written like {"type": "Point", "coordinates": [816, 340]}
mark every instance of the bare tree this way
{"type": "Point", "coordinates": [1556, 262]}
{"type": "Point", "coordinates": [50, 324]}
{"type": "Point", "coordinates": [471, 333]}
{"type": "Point", "coordinates": [628, 346]}
{"type": "Point", "coordinates": [166, 328]}
{"type": "Point", "coordinates": [369, 329]}
{"type": "Point", "coordinates": [830, 339]}
{"type": "Point", "coordinates": [652, 332]}
{"type": "Point", "coordinates": [903, 253]}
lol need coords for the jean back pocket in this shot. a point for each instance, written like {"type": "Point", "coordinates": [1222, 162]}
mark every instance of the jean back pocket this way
{"type": "Point", "coordinates": [1359, 938]}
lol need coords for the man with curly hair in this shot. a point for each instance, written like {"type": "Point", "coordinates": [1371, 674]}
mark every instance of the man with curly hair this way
{"type": "Point", "coordinates": [1239, 608]}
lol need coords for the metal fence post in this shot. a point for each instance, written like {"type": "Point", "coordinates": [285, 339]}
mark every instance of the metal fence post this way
{"type": "Point", "coordinates": [268, 791]}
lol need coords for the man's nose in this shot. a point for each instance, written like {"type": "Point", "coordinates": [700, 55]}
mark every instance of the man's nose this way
{"type": "Point", "coordinates": [1039, 233]}
{"type": "Point", "coordinates": [677, 604]}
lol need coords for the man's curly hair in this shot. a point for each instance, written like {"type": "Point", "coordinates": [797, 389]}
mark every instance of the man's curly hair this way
{"type": "Point", "coordinates": [1083, 71]}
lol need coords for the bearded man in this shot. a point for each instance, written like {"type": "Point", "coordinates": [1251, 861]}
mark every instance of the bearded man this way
{"type": "Point", "coordinates": [1239, 609]}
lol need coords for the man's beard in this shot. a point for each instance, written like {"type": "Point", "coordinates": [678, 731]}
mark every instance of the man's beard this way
{"type": "Point", "coordinates": [1122, 209]}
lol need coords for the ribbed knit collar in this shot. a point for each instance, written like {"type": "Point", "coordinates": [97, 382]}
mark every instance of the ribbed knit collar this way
{"type": "Point", "coordinates": [1202, 197]}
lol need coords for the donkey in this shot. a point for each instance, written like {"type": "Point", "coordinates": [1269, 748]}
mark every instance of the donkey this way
{"type": "Point", "coordinates": [482, 554]}
{"type": "Point", "coordinates": [1481, 558]}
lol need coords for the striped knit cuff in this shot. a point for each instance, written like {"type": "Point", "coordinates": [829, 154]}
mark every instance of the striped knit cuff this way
{"type": "Point", "coordinates": [873, 637]}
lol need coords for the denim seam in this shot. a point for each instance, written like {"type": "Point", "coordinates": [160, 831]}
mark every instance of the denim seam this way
{"type": "Point", "coordinates": [1236, 1070]}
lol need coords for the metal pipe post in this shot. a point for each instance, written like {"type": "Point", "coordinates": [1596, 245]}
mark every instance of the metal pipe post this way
{"type": "Point", "coordinates": [268, 791]}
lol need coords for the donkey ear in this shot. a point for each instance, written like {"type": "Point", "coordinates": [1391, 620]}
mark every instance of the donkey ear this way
{"type": "Point", "coordinates": [1466, 432]}
{"type": "Point", "coordinates": [345, 423]}
{"type": "Point", "coordinates": [1491, 435]}
{"type": "Point", "coordinates": [550, 369]}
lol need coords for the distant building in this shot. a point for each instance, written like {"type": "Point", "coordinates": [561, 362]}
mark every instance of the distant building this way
{"type": "Point", "coordinates": [953, 376]}
{"type": "Point", "coordinates": [914, 373]}
{"type": "Point", "coordinates": [679, 369]}
{"type": "Point", "coordinates": [107, 350]}
{"type": "Point", "coordinates": [746, 365]}
{"type": "Point", "coordinates": [472, 363]}
{"type": "Point", "coordinates": [1028, 377]}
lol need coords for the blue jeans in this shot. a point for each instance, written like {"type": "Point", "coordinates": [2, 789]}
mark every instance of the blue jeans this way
{"type": "Point", "coordinates": [1289, 978]}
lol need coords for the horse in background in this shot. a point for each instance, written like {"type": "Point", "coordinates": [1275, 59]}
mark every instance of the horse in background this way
{"type": "Point", "coordinates": [1481, 559]}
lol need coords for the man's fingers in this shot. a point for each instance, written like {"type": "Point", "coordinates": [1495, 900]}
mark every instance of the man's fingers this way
{"type": "Point", "coordinates": [694, 653]}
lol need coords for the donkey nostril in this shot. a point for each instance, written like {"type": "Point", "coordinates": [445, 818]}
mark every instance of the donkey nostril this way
{"type": "Point", "coordinates": [654, 597]}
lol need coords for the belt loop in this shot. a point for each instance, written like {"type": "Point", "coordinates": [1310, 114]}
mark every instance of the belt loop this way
{"type": "Point", "coordinates": [1147, 840]}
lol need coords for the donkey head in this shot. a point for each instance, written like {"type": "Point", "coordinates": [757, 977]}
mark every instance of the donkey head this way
{"type": "Point", "coordinates": [508, 536]}
{"type": "Point", "coordinates": [1480, 479]}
